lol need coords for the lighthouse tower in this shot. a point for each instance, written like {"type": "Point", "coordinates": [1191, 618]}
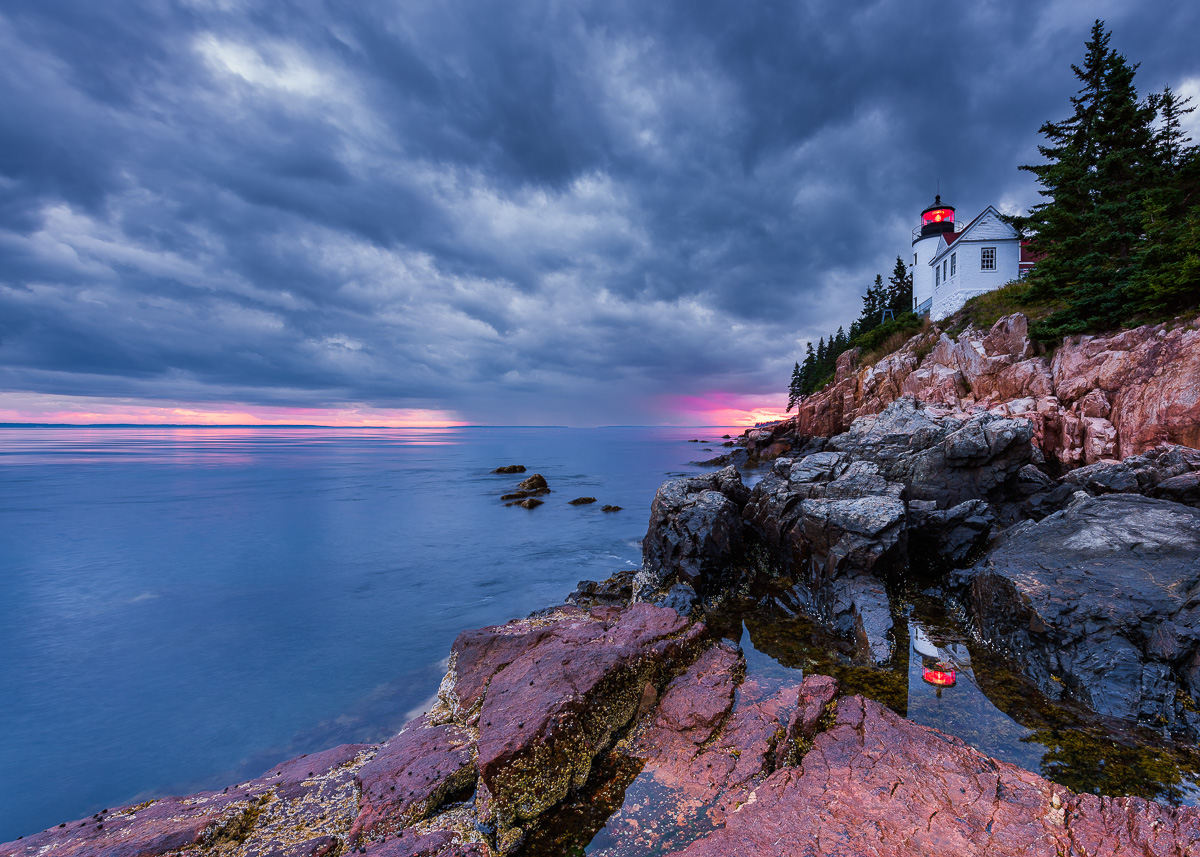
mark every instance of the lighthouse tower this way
{"type": "Point", "coordinates": [937, 224]}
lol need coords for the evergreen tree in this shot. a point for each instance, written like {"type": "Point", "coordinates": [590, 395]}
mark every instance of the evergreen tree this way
{"type": "Point", "coordinates": [794, 389]}
{"type": "Point", "coordinates": [899, 289]}
{"type": "Point", "coordinates": [821, 355]}
{"type": "Point", "coordinates": [1099, 165]}
{"type": "Point", "coordinates": [808, 373]}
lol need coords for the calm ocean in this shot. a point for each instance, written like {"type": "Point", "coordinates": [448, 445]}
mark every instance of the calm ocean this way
{"type": "Point", "coordinates": [181, 608]}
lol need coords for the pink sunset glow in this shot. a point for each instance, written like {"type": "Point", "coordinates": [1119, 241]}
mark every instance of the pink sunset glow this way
{"type": "Point", "coordinates": [723, 409]}
{"type": "Point", "coordinates": [85, 410]}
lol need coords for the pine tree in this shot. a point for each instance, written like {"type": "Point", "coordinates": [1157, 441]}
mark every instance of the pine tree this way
{"type": "Point", "coordinates": [808, 373]}
{"type": "Point", "coordinates": [1099, 165]}
{"type": "Point", "coordinates": [899, 290]}
{"type": "Point", "coordinates": [794, 389]}
{"type": "Point", "coordinates": [1168, 261]}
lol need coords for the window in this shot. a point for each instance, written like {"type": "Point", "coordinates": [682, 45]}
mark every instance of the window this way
{"type": "Point", "coordinates": [937, 276]}
{"type": "Point", "coordinates": [944, 277]}
{"type": "Point", "coordinates": [987, 259]}
{"type": "Point", "coordinates": [914, 258]}
{"type": "Point", "coordinates": [953, 264]}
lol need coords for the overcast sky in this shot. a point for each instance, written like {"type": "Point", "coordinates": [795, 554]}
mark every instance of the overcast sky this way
{"type": "Point", "coordinates": [579, 213]}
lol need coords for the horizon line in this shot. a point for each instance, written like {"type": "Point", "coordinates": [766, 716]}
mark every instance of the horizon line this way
{"type": "Point", "coordinates": [323, 425]}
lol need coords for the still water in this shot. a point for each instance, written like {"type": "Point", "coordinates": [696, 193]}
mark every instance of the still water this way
{"type": "Point", "coordinates": [183, 607]}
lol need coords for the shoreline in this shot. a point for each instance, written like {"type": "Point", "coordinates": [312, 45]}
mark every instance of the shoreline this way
{"type": "Point", "coordinates": [487, 770]}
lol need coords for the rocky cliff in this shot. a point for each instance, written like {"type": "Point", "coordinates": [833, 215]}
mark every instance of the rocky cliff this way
{"type": "Point", "coordinates": [1093, 398]}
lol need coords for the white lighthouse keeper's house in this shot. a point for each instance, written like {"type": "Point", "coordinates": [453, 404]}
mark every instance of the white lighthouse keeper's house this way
{"type": "Point", "coordinates": [952, 263]}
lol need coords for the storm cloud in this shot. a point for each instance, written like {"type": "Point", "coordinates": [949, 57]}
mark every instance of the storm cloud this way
{"type": "Point", "coordinates": [514, 212]}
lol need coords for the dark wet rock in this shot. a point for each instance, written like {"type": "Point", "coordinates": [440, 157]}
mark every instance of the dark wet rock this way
{"type": "Point", "coordinates": [535, 482]}
{"type": "Point", "coordinates": [681, 598]}
{"type": "Point", "coordinates": [613, 591]}
{"type": "Point", "coordinates": [1100, 601]}
{"type": "Point", "coordinates": [939, 456]}
{"type": "Point", "coordinates": [695, 534]}
{"type": "Point", "coordinates": [1168, 471]}
{"type": "Point", "coordinates": [738, 458]}
{"type": "Point", "coordinates": [610, 508]}
{"type": "Point", "coordinates": [952, 536]}
{"type": "Point", "coordinates": [834, 524]}
{"type": "Point", "coordinates": [411, 775]}
{"type": "Point", "coordinates": [547, 695]}
{"type": "Point", "coordinates": [510, 468]}
{"type": "Point", "coordinates": [875, 783]}
{"type": "Point", "coordinates": [528, 503]}
{"type": "Point", "coordinates": [582, 501]}
{"type": "Point", "coordinates": [1184, 488]}
{"type": "Point", "coordinates": [515, 495]}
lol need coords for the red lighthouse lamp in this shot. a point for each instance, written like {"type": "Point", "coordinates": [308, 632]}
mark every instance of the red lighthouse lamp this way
{"type": "Point", "coordinates": [937, 218]}
{"type": "Point", "coordinates": [939, 674]}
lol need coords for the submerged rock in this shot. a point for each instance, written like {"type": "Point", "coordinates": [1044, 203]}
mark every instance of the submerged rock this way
{"type": "Point", "coordinates": [510, 468]}
{"type": "Point", "coordinates": [1101, 601]}
{"type": "Point", "coordinates": [581, 501]}
{"type": "Point", "coordinates": [536, 482]}
{"type": "Point", "coordinates": [610, 508]}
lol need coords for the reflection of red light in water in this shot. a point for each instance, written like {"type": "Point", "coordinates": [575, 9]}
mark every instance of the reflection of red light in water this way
{"type": "Point", "coordinates": [939, 675]}
{"type": "Point", "coordinates": [939, 215]}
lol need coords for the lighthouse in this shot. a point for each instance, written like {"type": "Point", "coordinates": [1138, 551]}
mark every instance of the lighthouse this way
{"type": "Point", "coordinates": [937, 224]}
{"type": "Point", "coordinates": [952, 263]}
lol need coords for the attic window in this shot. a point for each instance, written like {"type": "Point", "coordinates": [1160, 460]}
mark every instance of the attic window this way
{"type": "Point", "coordinates": [987, 259]}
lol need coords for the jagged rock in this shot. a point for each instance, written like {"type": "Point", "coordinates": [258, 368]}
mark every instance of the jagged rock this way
{"type": "Point", "coordinates": [1100, 600]}
{"type": "Point", "coordinates": [1139, 474]}
{"type": "Point", "coordinates": [870, 785]}
{"type": "Point", "coordinates": [831, 522]}
{"type": "Point", "coordinates": [536, 482]}
{"type": "Point", "coordinates": [299, 807]}
{"type": "Point", "coordinates": [510, 468]}
{"type": "Point", "coordinates": [1101, 396]}
{"type": "Point", "coordinates": [681, 598]}
{"type": "Point", "coordinates": [695, 533]}
{"type": "Point", "coordinates": [411, 775]}
{"type": "Point", "coordinates": [548, 694]}
{"type": "Point", "coordinates": [938, 456]}
{"type": "Point", "coordinates": [613, 591]}
{"type": "Point", "coordinates": [951, 535]}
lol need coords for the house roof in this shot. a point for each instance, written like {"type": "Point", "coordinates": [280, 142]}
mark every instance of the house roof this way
{"type": "Point", "coordinates": [959, 236]}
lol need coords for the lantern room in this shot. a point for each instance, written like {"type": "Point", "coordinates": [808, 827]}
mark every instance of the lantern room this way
{"type": "Point", "coordinates": [937, 218]}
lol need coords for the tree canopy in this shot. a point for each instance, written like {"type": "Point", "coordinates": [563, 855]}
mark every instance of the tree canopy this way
{"type": "Point", "coordinates": [1118, 227]}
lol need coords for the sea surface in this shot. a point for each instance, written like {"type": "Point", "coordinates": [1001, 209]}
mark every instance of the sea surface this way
{"type": "Point", "coordinates": [184, 607]}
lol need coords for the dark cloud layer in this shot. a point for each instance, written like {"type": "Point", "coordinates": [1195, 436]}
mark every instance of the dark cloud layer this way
{"type": "Point", "coordinates": [517, 211]}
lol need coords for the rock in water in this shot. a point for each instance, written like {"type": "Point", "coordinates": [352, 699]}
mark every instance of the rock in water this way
{"type": "Point", "coordinates": [1102, 600]}
{"type": "Point", "coordinates": [695, 534]}
{"type": "Point", "coordinates": [535, 482]}
{"type": "Point", "coordinates": [510, 468]}
{"type": "Point", "coordinates": [609, 508]}
{"type": "Point", "coordinates": [581, 501]}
